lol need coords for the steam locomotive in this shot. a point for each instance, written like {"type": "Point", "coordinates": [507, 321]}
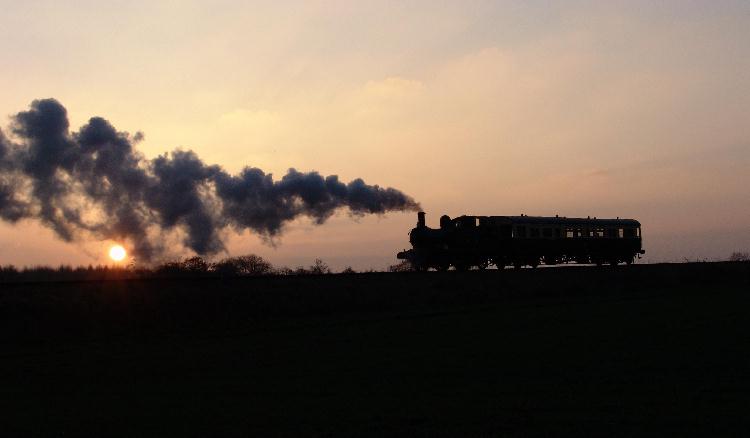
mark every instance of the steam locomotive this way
{"type": "Point", "coordinates": [480, 241]}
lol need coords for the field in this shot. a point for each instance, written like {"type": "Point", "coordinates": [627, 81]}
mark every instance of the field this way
{"type": "Point", "coordinates": [646, 350]}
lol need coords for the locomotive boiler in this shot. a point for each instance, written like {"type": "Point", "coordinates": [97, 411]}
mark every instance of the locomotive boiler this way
{"type": "Point", "coordinates": [480, 241]}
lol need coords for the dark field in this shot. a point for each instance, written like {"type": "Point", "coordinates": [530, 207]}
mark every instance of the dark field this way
{"type": "Point", "coordinates": [652, 350]}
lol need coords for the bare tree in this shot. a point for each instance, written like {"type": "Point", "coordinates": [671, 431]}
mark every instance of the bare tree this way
{"type": "Point", "coordinates": [738, 256]}
{"type": "Point", "coordinates": [250, 264]}
{"type": "Point", "coordinates": [320, 267]}
{"type": "Point", "coordinates": [195, 265]}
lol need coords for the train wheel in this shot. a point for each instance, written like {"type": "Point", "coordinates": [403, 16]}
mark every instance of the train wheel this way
{"type": "Point", "coordinates": [613, 263]}
{"type": "Point", "coordinates": [482, 266]}
{"type": "Point", "coordinates": [517, 265]}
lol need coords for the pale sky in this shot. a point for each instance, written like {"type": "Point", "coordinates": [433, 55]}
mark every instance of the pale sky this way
{"type": "Point", "coordinates": [634, 109]}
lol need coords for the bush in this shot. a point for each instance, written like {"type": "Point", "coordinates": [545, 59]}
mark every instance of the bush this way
{"type": "Point", "coordinates": [739, 257]}
{"type": "Point", "coordinates": [348, 270]}
{"type": "Point", "coordinates": [404, 266]}
{"type": "Point", "coordinates": [8, 273]}
{"type": "Point", "coordinates": [169, 268]}
{"type": "Point", "coordinates": [66, 273]}
{"type": "Point", "coordinates": [284, 270]}
{"type": "Point", "coordinates": [193, 266]}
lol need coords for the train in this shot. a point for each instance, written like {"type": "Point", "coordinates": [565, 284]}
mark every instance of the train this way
{"type": "Point", "coordinates": [478, 242]}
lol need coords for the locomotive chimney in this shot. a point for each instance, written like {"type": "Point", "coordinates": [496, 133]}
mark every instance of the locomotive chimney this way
{"type": "Point", "coordinates": [420, 219]}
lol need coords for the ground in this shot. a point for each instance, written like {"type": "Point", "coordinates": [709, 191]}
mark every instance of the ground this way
{"type": "Point", "coordinates": [654, 350]}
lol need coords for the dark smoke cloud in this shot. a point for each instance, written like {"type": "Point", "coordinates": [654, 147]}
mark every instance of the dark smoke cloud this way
{"type": "Point", "coordinates": [94, 184]}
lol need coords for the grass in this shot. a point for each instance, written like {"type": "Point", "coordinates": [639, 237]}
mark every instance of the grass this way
{"type": "Point", "coordinates": [642, 350]}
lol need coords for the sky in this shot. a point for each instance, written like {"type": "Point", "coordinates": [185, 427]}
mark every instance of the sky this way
{"type": "Point", "coordinates": [632, 109]}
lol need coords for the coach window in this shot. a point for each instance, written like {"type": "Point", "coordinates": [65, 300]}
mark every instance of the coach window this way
{"type": "Point", "coordinates": [557, 233]}
{"type": "Point", "coordinates": [520, 231]}
{"type": "Point", "coordinates": [506, 231]}
{"type": "Point", "coordinates": [569, 233]}
{"type": "Point", "coordinates": [547, 232]}
{"type": "Point", "coordinates": [534, 232]}
{"type": "Point", "coordinates": [620, 233]}
{"type": "Point", "coordinates": [469, 222]}
{"type": "Point", "coordinates": [629, 233]}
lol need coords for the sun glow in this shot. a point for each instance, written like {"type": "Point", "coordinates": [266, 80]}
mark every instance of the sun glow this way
{"type": "Point", "coordinates": [117, 253]}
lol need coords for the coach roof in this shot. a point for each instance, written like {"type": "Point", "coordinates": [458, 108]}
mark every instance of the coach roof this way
{"type": "Point", "coordinates": [557, 220]}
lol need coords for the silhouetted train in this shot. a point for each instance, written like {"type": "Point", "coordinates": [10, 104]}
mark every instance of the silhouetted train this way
{"type": "Point", "coordinates": [480, 241]}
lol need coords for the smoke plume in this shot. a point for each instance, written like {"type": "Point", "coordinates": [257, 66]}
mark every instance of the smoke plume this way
{"type": "Point", "coordinates": [94, 184]}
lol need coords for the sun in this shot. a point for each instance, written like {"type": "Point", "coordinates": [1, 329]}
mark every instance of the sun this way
{"type": "Point", "coordinates": [117, 253]}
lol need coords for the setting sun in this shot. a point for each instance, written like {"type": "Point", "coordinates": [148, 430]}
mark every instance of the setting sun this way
{"type": "Point", "coordinates": [117, 253]}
